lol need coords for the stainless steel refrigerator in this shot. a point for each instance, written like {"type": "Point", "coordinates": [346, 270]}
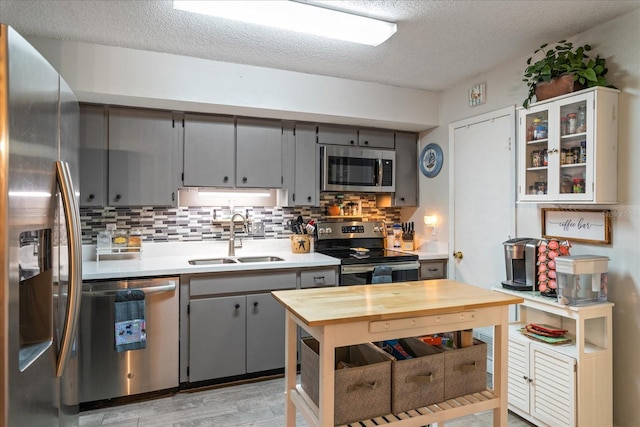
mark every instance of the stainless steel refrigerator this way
{"type": "Point", "coordinates": [40, 237]}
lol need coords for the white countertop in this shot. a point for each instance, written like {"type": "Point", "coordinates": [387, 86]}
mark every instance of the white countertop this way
{"type": "Point", "coordinates": [162, 259]}
{"type": "Point", "coordinates": [171, 258]}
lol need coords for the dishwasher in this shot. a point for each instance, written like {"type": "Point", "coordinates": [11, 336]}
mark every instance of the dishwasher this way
{"type": "Point", "coordinates": [107, 373]}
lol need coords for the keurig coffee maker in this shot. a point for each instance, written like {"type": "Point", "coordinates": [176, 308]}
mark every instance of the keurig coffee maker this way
{"type": "Point", "coordinates": [520, 256]}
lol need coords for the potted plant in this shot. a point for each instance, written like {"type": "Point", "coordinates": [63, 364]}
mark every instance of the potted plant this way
{"type": "Point", "coordinates": [565, 66]}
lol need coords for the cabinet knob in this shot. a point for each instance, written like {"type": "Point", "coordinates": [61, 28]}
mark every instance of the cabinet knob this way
{"type": "Point", "coordinates": [92, 196]}
{"type": "Point", "coordinates": [402, 199]}
{"type": "Point", "coordinates": [366, 143]}
{"type": "Point", "coordinates": [118, 197]}
{"type": "Point", "coordinates": [237, 306]}
{"type": "Point", "coordinates": [255, 303]}
{"type": "Point", "coordinates": [308, 198]}
{"type": "Point", "coordinates": [352, 142]}
{"type": "Point", "coordinates": [244, 179]}
{"type": "Point", "coordinates": [225, 179]}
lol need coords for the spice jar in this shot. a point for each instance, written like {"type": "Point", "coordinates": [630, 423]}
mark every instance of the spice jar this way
{"type": "Point", "coordinates": [568, 157]}
{"type": "Point", "coordinates": [120, 238]}
{"type": "Point", "coordinates": [536, 159]}
{"type": "Point", "coordinates": [536, 126]}
{"type": "Point", "coordinates": [576, 154]}
{"type": "Point", "coordinates": [564, 126]}
{"type": "Point", "coordinates": [581, 119]}
{"type": "Point", "coordinates": [135, 240]}
{"type": "Point", "coordinates": [545, 157]}
{"type": "Point", "coordinates": [573, 122]}
{"type": "Point", "coordinates": [566, 186]}
{"type": "Point", "coordinates": [563, 156]}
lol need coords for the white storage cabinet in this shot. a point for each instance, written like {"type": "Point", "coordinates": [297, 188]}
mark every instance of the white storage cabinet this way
{"type": "Point", "coordinates": [586, 180]}
{"type": "Point", "coordinates": [562, 385]}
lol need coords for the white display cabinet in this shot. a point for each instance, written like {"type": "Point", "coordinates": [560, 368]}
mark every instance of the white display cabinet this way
{"type": "Point", "coordinates": [574, 162]}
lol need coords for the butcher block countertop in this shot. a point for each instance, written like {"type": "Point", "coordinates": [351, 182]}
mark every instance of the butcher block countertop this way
{"type": "Point", "coordinates": [343, 304]}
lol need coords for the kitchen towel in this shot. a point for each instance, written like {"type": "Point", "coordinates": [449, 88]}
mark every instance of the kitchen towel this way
{"type": "Point", "coordinates": [130, 326]}
{"type": "Point", "coordinates": [381, 274]}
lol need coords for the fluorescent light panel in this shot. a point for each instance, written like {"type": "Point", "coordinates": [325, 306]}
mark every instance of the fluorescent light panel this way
{"type": "Point", "coordinates": [294, 16]}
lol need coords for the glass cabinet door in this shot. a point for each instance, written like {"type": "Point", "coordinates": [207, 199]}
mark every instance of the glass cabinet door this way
{"type": "Point", "coordinates": [556, 146]}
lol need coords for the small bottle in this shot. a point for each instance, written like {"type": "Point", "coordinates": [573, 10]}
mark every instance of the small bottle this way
{"type": "Point", "coordinates": [564, 126]}
{"type": "Point", "coordinates": [536, 127]}
{"type": "Point", "coordinates": [581, 119]}
{"type": "Point", "coordinates": [572, 122]}
{"type": "Point", "coordinates": [535, 159]}
{"type": "Point", "coordinates": [583, 152]}
{"type": "Point", "coordinates": [545, 157]}
{"type": "Point", "coordinates": [530, 132]}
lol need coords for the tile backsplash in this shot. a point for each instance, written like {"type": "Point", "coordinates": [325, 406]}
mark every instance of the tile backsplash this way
{"type": "Point", "coordinates": [203, 223]}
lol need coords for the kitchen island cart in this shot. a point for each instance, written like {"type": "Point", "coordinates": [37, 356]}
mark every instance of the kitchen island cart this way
{"type": "Point", "coordinates": [342, 316]}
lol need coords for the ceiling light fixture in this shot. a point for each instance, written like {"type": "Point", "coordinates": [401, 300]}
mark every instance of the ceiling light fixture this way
{"type": "Point", "coordinates": [295, 16]}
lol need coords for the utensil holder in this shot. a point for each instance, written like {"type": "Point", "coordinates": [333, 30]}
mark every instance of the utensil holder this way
{"type": "Point", "coordinates": [300, 243]}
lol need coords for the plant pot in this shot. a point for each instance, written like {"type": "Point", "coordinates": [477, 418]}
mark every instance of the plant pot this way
{"type": "Point", "coordinates": [556, 87]}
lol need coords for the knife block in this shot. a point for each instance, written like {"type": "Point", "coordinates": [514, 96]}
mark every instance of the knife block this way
{"type": "Point", "coordinates": [408, 245]}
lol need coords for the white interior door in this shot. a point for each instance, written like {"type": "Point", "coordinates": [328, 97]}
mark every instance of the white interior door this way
{"type": "Point", "coordinates": [482, 208]}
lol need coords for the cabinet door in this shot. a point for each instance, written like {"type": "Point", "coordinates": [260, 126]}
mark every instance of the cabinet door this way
{"type": "Point", "coordinates": [217, 338]}
{"type": "Point", "coordinates": [518, 374]}
{"type": "Point", "coordinates": [307, 166]}
{"type": "Point", "coordinates": [406, 170]}
{"type": "Point", "coordinates": [209, 151]}
{"type": "Point", "coordinates": [93, 156]}
{"type": "Point", "coordinates": [571, 162]}
{"type": "Point", "coordinates": [553, 390]}
{"type": "Point", "coordinates": [259, 153]}
{"type": "Point", "coordinates": [376, 138]}
{"type": "Point", "coordinates": [337, 135]}
{"type": "Point", "coordinates": [142, 146]}
{"type": "Point", "coordinates": [265, 333]}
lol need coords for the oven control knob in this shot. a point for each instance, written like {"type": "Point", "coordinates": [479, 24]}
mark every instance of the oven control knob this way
{"type": "Point", "coordinates": [376, 229]}
{"type": "Point", "coordinates": [328, 230]}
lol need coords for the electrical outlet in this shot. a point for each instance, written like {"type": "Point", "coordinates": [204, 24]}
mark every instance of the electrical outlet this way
{"type": "Point", "coordinates": [111, 227]}
{"type": "Point", "coordinates": [258, 229]}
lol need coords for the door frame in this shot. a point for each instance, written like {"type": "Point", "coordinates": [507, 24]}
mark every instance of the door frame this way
{"type": "Point", "coordinates": [490, 116]}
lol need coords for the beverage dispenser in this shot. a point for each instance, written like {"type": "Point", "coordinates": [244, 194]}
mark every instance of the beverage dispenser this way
{"type": "Point", "coordinates": [582, 279]}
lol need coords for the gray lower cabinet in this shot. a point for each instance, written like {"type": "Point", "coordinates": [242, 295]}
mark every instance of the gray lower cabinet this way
{"type": "Point", "coordinates": [93, 156]}
{"type": "Point", "coordinates": [233, 325]}
{"type": "Point", "coordinates": [209, 151]}
{"type": "Point", "coordinates": [217, 337]}
{"type": "Point", "coordinates": [265, 333]}
{"type": "Point", "coordinates": [433, 269]}
{"type": "Point", "coordinates": [406, 170]}
{"type": "Point", "coordinates": [143, 148]}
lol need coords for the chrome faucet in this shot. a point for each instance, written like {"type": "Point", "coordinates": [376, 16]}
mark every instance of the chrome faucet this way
{"type": "Point", "coordinates": [232, 247]}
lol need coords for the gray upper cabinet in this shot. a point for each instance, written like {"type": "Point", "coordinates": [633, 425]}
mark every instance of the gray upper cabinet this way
{"type": "Point", "coordinates": [258, 153]}
{"type": "Point", "coordinates": [407, 170]}
{"type": "Point", "coordinates": [336, 135]}
{"type": "Point", "coordinates": [307, 167]}
{"type": "Point", "coordinates": [375, 138]}
{"type": "Point", "coordinates": [209, 151]}
{"type": "Point", "coordinates": [93, 156]}
{"type": "Point", "coordinates": [143, 145]}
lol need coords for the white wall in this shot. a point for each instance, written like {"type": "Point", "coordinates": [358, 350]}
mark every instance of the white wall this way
{"type": "Point", "coordinates": [114, 75]}
{"type": "Point", "coordinates": [619, 42]}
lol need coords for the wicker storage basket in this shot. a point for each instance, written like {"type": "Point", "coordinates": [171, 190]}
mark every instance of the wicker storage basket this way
{"type": "Point", "coordinates": [419, 381]}
{"type": "Point", "coordinates": [361, 392]}
{"type": "Point", "coordinates": [465, 370]}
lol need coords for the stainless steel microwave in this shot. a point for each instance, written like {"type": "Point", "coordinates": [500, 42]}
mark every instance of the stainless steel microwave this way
{"type": "Point", "coordinates": [357, 169]}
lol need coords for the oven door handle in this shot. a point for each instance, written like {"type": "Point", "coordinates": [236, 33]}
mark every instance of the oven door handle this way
{"type": "Point", "coordinates": [364, 268]}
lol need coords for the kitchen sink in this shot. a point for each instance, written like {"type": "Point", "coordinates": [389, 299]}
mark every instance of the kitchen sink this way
{"type": "Point", "coordinates": [211, 261]}
{"type": "Point", "coordinates": [259, 259]}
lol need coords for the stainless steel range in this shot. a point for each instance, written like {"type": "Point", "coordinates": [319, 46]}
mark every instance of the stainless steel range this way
{"type": "Point", "coordinates": [360, 247]}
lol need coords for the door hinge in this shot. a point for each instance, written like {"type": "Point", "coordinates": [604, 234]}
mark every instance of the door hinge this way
{"type": "Point", "coordinates": [509, 143]}
{"type": "Point", "coordinates": [293, 197]}
{"type": "Point", "coordinates": [183, 122]}
{"type": "Point", "coordinates": [173, 123]}
{"type": "Point", "coordinates": [182, 176]}
{"type": "Point", "coordinates": [173, 197]}
{"type": "Point", "coordinates": [188, 371]}
{"type": "Point", "coordinates": [188, 309]}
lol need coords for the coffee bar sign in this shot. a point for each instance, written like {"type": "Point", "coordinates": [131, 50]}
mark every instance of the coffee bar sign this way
{"type": "Point", "coordinates": [577, 225]}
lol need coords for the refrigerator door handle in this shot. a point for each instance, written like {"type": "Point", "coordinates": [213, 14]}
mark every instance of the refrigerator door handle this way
{"type": "Point", "coordinates": [72, 215]}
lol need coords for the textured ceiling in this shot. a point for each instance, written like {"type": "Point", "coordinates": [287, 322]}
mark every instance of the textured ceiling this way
{"type": "Point", "coordinates": [438, 43]}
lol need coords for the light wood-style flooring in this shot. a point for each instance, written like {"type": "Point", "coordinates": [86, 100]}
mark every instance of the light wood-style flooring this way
{"type": "Point", "coordinates": [258, 404]}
